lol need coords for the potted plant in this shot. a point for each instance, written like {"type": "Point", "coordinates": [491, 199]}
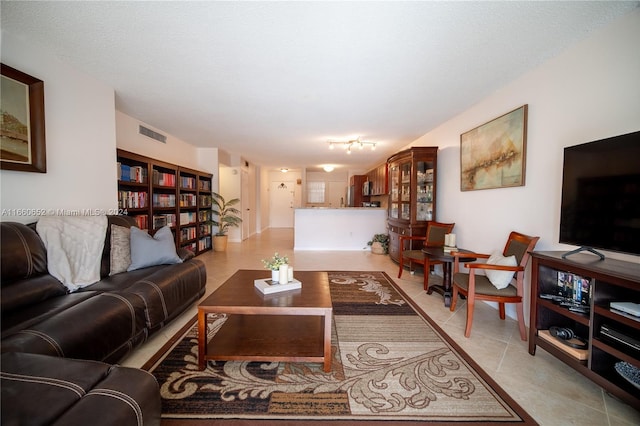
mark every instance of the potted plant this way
{"type": "Point", "coordinates": [274, 264]}
{"type": "Point", "coordinates": [379, 244]}
{"type": "Point", "coordinates": [225, 215]}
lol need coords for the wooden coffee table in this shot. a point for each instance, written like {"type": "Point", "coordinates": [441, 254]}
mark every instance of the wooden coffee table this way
{"type": "Point", "coordinates": [293, 325]}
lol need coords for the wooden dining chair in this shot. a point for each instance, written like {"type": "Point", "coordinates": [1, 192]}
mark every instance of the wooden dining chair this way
{"type": "Point", "coordinates": [500, 271]}
{"type": "Point", "coordinates": [434, 237]}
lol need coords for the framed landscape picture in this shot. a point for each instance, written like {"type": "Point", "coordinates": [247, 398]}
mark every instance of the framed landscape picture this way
{"type": "Point", "coordinates": [22, 134]}
{"type": "Point", "coordinates": [494, 155]}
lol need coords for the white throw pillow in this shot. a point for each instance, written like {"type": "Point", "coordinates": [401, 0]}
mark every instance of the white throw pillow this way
{"type": "Point", "coordinates": [500, 279]}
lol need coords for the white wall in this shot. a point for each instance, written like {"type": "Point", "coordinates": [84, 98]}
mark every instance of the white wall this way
{"type": "Point", "coordinates": [175, 151]}
{"type": "Point", "coordinates": [80, 138]}
{"type": "Point", "coordinates": [589, 92]}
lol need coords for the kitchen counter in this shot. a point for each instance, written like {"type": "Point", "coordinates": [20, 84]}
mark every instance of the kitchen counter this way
{"type": "Point", "coordinates": [344, 228]}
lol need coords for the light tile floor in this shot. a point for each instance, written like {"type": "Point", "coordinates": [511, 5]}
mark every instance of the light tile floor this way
{"type": "Point", "coordinates": [550, 391]}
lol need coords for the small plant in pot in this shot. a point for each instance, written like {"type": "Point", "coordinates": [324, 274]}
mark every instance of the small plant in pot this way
{"type": "Point", "coordinates": [379, 244]}
{"type": "Point", "coordinates": [274, 264]}
{"type": "Point", "coordinates": [225, 216]}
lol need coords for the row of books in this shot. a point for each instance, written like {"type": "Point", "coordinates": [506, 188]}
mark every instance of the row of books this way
{"type": "Point", "coordinates": [164, 179]}
{"type": "Point", "coordinates": [188, 234]}
{"type": "Point", "coordinates": [187, 217]}
{"type": "Point", "coordinates": [205, 200]}
{"type": "Point", "coordinates": [142, 221]}
{"type": "Point", "coordinates": [128, 173]}
{"type": "Point", "coordinates": [164, 200]}
{"type": "Point", "coordinates": [161, 220]}
{"type": "Point", "coordinates": [204, 243]}
{"type": "Point", "coordinates": [205, 215]}
{"type": "Point", "coordinates": [132, 199]}
{"type": "Point", "coordinates": [205, 185]}
{"type": "Point", "coordinates": [205, 229]}
{"type": "Point", "coordinates": [188, 200]}
{"type": "Point", "coordinates": [187, 182]}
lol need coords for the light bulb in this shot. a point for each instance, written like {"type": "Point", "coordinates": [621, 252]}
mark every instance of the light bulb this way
{"type": "Point", "coordinates": [330, 145]}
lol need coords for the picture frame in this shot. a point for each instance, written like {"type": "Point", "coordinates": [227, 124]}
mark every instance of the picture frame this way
{"type": "Point", "coordinates": [22, 131]}
{"type": "Point", "coordinates": [493, 155]}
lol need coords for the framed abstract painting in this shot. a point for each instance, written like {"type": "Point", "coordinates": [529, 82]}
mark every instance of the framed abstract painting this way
{"type": "Point", "coordinates": [493, 155]}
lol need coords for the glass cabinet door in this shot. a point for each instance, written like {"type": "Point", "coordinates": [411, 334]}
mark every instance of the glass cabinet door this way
{"type": "Point", "coordinates": [424, 190]}
{"type": "Point", "coordinates": [394, 178]}
{"type": "Point", "coordinates": [405, 191]}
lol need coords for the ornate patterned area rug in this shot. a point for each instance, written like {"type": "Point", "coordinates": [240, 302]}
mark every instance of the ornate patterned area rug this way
{"type": "Point", "coordinates": [390, 363]}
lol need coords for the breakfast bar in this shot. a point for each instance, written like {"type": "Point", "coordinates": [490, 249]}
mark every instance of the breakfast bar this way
{"type": "Point", "coordinates": [347, 228]}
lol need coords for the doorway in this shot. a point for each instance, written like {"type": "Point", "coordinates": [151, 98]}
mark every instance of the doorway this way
{"type": "Point", "coordinates": [281, 201]}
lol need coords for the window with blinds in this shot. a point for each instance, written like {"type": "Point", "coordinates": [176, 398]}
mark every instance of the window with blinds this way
{"type": "Point", "coordinates": [315, 192]}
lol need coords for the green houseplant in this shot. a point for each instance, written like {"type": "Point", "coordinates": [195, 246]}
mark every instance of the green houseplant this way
{"type": "Point", "coordinates": [379, 244]}
{"type": "Point", "coordinates": [224, 216]}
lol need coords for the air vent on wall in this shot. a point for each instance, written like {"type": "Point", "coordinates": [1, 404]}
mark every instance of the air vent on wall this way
{"type": "Point", "coordinates": [153, 135]}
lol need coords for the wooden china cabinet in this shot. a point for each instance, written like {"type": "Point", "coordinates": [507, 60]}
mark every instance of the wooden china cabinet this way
{"type": "Point", "coordinates": [412, 194]}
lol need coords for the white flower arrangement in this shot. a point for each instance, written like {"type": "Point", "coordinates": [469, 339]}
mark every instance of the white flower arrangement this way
{"type": "Point", "coordinates": [275, 262]}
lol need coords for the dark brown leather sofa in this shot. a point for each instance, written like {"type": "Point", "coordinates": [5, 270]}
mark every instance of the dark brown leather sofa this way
{"type": "Point", "coordinates": [102, 322]}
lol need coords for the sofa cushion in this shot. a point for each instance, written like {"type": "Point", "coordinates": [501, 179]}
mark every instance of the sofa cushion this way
{"type": "Point", "coordinates": [27, 316]}
{"type": "Point", "coordinates": [44, 390]}
{"type": "Point", "coordinates": [166, 289]}
{"type": "Point", "coordinates": [23, 293]}
{"type": "Point", "coordinates": [22, 253]}
{"type": "Point", "coordinates": [120, 257]}
{"type": "Point", "coordinates": [104, 327]}
{"type": "Point", "coordinates": [151, 251]}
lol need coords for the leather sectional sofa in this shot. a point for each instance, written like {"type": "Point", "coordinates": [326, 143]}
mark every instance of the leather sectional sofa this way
{"type": "Point", "coordinates": [96, 325]}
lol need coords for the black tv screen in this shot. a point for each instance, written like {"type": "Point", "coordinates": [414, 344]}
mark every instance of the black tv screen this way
{"type": "Point", "coordinates": [601, 194]}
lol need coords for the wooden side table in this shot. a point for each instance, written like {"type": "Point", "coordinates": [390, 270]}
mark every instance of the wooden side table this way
{"type": "Point", "coordinates": [438, 253]}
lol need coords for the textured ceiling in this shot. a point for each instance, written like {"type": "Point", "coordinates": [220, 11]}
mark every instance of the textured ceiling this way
{"type": "Point", "coordinates": [274, 81]}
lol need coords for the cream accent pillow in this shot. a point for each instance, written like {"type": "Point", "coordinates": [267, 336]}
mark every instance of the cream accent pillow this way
{"type": "Point", "coordinates": [500, 279]}
{"type": "Point", "coordinates": [120, 256]}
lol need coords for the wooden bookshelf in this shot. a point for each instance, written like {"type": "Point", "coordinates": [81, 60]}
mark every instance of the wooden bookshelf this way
{"type": "Point", "coordinates": [157, 194]}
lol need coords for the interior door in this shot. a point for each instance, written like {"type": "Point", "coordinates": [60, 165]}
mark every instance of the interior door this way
{"type": "Point", "coordinates": [281, 198]}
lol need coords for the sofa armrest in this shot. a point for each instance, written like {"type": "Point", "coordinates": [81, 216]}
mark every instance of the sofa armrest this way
{"type": "Point", "coordinates": [185, 254]}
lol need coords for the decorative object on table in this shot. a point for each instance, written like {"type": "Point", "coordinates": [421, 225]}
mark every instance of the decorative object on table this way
{"type": "Point", "coordinates": [449, 242]}
{"type": "Point", "coordinates": [268, 286]}
{"type": "Point", "coordinates": [493, 155]}
{"type": "Point", "coordinates": [274, 265]}
{"type": "Point", "coordinates": [225, 216]}
{"type": "Point", "coordinates": [22, 142]}
{"type": "Point", "coordinates": [379, 244]}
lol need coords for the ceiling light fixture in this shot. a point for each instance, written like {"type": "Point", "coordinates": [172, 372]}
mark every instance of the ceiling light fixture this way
{"type": "Point", "coordinates": [284, 170]}
{"type": "Point", "coordinates": [352, 143]}
{"type": "Point", "coordinates": [328, 168]}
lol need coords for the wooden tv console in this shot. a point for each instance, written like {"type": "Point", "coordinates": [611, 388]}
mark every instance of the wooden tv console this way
{"type": "Point", "coordinates": [611, 280]}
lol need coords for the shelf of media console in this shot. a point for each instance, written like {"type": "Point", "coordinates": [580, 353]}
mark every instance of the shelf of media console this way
{"type": "Point", "coordinates": [582, 318]}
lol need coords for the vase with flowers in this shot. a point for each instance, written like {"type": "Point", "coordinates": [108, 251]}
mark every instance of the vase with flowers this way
{"type": "Point", "coordinates": [274, 265]}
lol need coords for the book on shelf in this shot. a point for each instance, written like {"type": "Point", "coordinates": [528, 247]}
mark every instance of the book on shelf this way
{"type": "Point", "coordinates": [205, 185]}
{"type": "Point", "coordinates": [187, 182]}
{"type": "Point", "coordinates": [164, 179]}
{"type": "Point", "coordinates": [127, 173]}
{"type": "Point", "coordinates": [268, 286]}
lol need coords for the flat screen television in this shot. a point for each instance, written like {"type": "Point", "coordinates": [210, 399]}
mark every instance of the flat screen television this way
{"type": "Point", "coordinates": [601, 195]}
